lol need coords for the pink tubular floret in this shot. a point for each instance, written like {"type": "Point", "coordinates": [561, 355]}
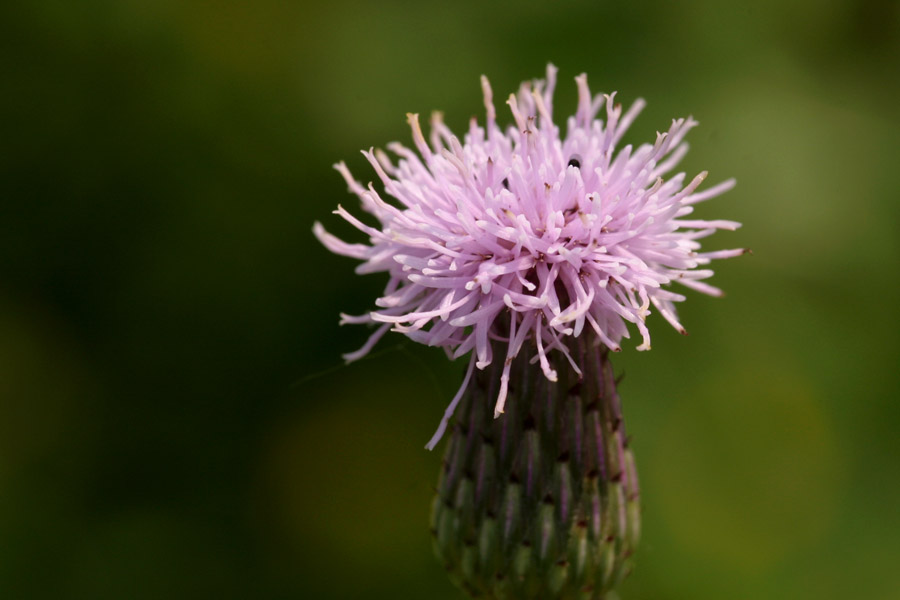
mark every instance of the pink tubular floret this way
{"type": "Point", "coordinates": [525, 235]}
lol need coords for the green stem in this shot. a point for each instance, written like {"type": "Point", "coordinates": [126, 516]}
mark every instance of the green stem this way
{"type": "Point", "coordinates": [543, 502]}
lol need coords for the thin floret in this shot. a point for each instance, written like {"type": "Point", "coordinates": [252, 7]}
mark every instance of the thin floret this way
{"type": "Point", "coordinates": [520, 239]}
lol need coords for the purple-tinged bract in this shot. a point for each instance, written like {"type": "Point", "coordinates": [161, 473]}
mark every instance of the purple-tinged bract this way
{"type": "Point", "coordinates": [519, 239]}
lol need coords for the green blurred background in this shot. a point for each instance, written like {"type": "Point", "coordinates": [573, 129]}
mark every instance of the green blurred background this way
{"type": "Point", "coordinates": [175, 421]}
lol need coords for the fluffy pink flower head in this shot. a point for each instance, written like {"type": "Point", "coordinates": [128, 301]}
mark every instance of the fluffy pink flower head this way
{"type": "Point", "coordinates": [518, 239]}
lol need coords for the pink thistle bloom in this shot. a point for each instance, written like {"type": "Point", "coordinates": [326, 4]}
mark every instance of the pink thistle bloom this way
{"type": "Point", "coordinates": [526, 236]}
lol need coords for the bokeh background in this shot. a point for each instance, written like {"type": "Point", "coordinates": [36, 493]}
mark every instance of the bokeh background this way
{"type": "Point", "coordinates": [175, 420]}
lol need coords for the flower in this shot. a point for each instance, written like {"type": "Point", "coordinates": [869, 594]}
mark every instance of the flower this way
{"type": "Point", "coordinates": [527, 236]}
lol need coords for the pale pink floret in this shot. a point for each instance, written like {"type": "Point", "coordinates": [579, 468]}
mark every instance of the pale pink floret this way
{"type": "Point", "coordinates": [552, 234]}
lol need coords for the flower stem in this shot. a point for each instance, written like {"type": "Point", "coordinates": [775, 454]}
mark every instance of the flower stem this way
{"type": "Point", "coordinates": [542, 502]}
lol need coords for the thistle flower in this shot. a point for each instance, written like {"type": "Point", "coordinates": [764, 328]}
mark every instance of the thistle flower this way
{"type": "Point", "coordinates": [523, 240]}
{"type": "Point", "coordinates": [527, 247]}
